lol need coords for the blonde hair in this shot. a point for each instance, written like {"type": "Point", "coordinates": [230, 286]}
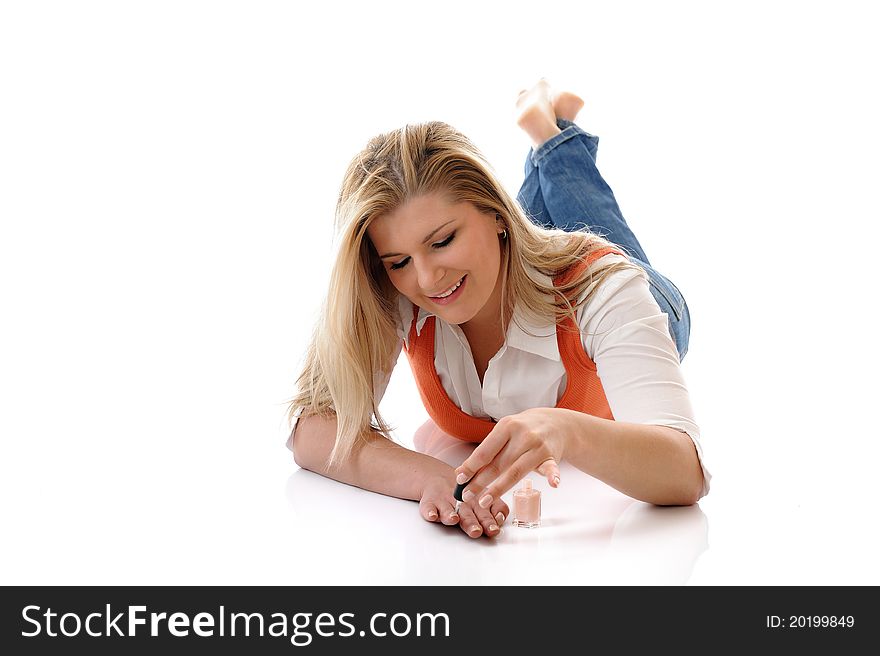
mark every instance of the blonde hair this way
{"type": "Point", "coordinates": [355, 338]}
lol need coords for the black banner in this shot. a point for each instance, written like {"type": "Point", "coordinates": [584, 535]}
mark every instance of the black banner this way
{"type": "Point", "coordinates": [171, 620]}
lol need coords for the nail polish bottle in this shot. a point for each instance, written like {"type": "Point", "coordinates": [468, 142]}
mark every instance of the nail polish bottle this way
{"type": "Point", "coordinates": [527, 506]}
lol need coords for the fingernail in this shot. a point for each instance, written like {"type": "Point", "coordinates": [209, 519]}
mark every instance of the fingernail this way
{"type": "Point", "coordinates": [486, 500]}
{"type": "Point", "coordinates": [493, 527]}
{"type": "Point", "coordinates": [453, 517]}
{"type": "Point", "coordinates": [499, 518]}
{"type": "Point", "coordinates": [475, 530]}
{"type": "Point", "coordinates": [467, 495]}
{"type": "Point", "coordinates": [432, 515]}
{"type": "Point", "coordinates": [555, 480]}
{"type": "Point", "coordinates": [461, 478]}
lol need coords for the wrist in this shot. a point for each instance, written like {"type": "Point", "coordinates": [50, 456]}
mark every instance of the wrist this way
{"type": "Point", "coordinates": [579, 436]}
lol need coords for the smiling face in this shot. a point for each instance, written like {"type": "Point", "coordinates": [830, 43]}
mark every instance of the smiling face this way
{"type": "Point", "coordinates": [428, 245]}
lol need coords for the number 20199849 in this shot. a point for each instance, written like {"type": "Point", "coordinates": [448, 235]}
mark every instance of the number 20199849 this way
{"type": "Point", "coordinates": [811, 622]}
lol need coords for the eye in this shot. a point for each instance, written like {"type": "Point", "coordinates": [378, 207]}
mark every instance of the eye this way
{"type": "Point", "coordinates": [441, 244]}
{"type": "Point", "coordinates": [445, 242]}
{"type": "Point", "coordinates": [399, 265]}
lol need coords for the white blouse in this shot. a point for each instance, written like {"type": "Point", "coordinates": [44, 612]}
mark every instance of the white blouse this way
{"type": "Point", "coordinates": [623, 331]}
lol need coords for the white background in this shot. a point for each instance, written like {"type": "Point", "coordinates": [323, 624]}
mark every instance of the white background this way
{"type": "Point", "coordinates": [168, 173]}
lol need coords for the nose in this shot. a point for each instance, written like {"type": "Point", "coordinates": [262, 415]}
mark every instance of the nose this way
{"type": "Point", "coordinates": [429, 275]}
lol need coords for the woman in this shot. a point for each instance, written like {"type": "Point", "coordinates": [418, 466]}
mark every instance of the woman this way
{"type": "Point", "coordinates": [540, 342]}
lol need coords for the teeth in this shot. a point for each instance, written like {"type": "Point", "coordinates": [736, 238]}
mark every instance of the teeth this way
{"type": "Point", "coordinates": [450, 290]}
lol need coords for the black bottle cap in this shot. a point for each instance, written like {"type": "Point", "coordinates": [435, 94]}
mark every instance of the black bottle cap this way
{"type": "Point", "coordinates": [459, 489]}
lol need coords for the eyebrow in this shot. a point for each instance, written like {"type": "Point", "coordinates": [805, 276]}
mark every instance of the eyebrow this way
{"type": "Point", "coordinates": [424, 241]}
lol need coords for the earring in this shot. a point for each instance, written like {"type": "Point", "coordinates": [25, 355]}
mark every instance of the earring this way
{"type": "Point", "coordinates": [504, 230]}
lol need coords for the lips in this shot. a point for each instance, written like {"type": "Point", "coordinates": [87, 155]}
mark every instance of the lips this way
{"type": "Point", "coordinates": [454, 296]}
{"type": "Point", "coordinates": [449, 290]}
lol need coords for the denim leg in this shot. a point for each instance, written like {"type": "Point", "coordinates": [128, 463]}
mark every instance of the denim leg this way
{"type": "Point", "coordinates": [531, 199]}
{"type": "Point", "coordinates": [563, 189]}
{"type": "Point", "coordinates": [531, 196]}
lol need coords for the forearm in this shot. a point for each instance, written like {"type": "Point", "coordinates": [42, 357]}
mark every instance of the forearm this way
{"type": "Point", "coordinates": [378, 465]}
{"type": "Point", "coordinates": [655, 464]}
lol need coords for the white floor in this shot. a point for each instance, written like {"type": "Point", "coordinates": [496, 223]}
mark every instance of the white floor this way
{"type": "Point", "coordinates": [589, 534]}
{"type": "Point", "coordinates": [183, 496]}
{"type": "Point", "coordinates": [165, 239]}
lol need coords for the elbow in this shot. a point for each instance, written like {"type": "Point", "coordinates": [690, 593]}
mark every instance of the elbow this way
{"type": "Point", "coordinates": [299, 448]}
{"type": "Point", "coordinates": [301, 455]}
{"type": "Point", "coordinates": [308, 461]}
{"type": "Point", "coordinates": [697, 491]}
{"type": "Point", "coordinates": [691, 497]}
{"type": "Point", "coordinates": [298, 457]}
{"type": "Point", "coordinates": [313, 442]}
{"type": "Point", "coordinates": [674, 500]}
{"type": "Point", "coordinates": [691, 483]}
{"type": "Point", "coordinates": [689, 494]}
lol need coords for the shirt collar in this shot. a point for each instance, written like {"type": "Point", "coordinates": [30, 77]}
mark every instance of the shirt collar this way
{"type": "Point", "coordinates": [405, 309]}
{"type": "Point", "coordinates": [518, 336]}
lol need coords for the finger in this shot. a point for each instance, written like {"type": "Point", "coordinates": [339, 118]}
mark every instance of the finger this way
{"type": "Point", "coordinates": [550, 470]}
{"type": "Point", "coordinates": [474, 489]}
{"type": "Point", "coordinates": [484, 453]}
{"type": "Point", "coordinates": [508, 478]}
{"type": "Point", "coordinates": [500, 511]}
{"type": "Point", "coordinates": [429, 511]}
{"type": "Point", "coordinates": [491, 528]}
{"type": "Point", "coordinates": [447, 512]}
{"type": "Point", "coordinates": [469, 522]}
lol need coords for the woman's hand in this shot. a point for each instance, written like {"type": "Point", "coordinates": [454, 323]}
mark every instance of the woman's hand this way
{"type": "Point", "coordinates": [532, 440]}
{"type": "Point", "coordinates": [438, 505]}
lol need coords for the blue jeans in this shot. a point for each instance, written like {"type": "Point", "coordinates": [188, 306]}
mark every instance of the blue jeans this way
{"type": "Point", "coordinates": [563, 189]}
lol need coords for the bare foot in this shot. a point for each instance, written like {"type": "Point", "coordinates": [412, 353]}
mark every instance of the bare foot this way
{"type": "Point", "coordinates": [536, 115]}
{"type": "Point", "coordinates": [567, 105]}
